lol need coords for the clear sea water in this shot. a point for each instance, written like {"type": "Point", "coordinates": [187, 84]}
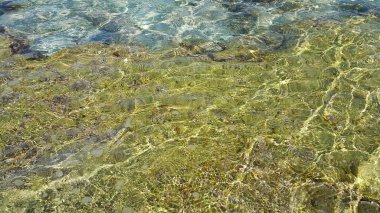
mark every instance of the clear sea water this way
{"type": "Point", "coordinates": [51, 25]}
{"type": "Point", "coordinates": [190, 106]}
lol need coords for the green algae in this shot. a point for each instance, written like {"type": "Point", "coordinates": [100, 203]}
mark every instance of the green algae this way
{"type": "Point", "coordinates": [258, 126]}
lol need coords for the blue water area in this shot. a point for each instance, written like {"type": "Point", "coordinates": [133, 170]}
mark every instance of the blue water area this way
{"type": "Point", "coordinates": [50, 25]}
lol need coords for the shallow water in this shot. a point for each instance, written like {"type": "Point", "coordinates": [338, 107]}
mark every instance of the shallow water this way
{"type": "Point", "coordinates": [159, 24]}
{"type": "Point", "coordinates": [272, 106]}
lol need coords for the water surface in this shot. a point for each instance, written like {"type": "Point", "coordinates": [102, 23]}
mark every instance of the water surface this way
{"type": "Point", "coordinates": [159, 24]}
{"type": "Point", "coordinates": [190, 106]}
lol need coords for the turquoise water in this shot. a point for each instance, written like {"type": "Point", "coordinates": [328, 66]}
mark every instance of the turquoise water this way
{"type": "Point", "coordinates": [50, 25]}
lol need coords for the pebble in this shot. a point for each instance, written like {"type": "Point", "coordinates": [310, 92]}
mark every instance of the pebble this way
{"type": "Point", "coordinates": [175, 112]}
{"type": "Point", "coordinates": [80, 85]}
{"type": "Point", "coordinates": [192, 147]}
{"type": "Point", "coordinates": [45, 195]}
{"type": "Point", "coordinates": [7, 91]}
{"type": "Point", "coordinates": [86, 200]}
{"type": "Point", "coordinates": [128, 123]}
{"type": "Point", "coordinates": [13, 82]}
{"type": "Point", "coordinates": [10, 160]}
{"type": "Point", "coordinates": [97, 153]}
{"type": "Point", "coordinates": [196, 195]}
{"type": "Point", "coordinates": [75, 191]}
{"type": "Point", "coordinates": [58, 173]}
{"type": "Point", "coordinates": [18, 182]}
{"type": "Point", "coordinates": [127, 210]}
{"type": "Point", "coordinates": [119, 184]}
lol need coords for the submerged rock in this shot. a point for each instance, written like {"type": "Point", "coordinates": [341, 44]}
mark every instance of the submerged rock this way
{"type": "Point", "coordinates": [86, 200]}
{"type": "Point", "coordinates": [366, 206]}
{"type": "Point", "coordinates": [354, 6]}
{"type": "Point", "coordinates": [80, 85]}
{"type": "Point", "coordinates": [11, 5]}
{"type": "Point", "coordinates": [112, 26]}
{"type": "Point", "coordinates": [19, 46]}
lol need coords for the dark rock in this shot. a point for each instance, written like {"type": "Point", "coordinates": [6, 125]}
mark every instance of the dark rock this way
{"type": "Point", "coordinates": [110, 37]}
{"type": "Point", "coordinates": [4, 77]}
{"type": "Point", "coordinates": [60, 103]}
{"type": "Point", "coordinates": [116, 54]}
{"type": "Point", "coordinates": [35, 55]}
{"type": "Point", "coordinates": [95, 19]}
{"type": "Point", "coordinates": [267, 40]}
{"type": "Point", "coordinates": [368, 206]}
{"type": "Point", "coordinates": [270, 40]}
{"type": "Point", "coordinates": [72, 133]}
{"type": "Point", "coordinates": [235, 7]}
{"type": "Point", "coordinates": [112, 27]}
{"type": "Point", "coordinates": [244, 57]}
{"type": "Point", "coordinates": [10, 5]}
{"type": "Point", "coordinates": [322, 198]}
{"type": "Point", "coordinates": [354, 6]}
{"type": "Point", "coordinates": [128, 104]}
{"type": "Point", "coordinates": [193, 4]}
{"type": "Point", "coordinates": [80, 85]}
{"type": "Point", "coordinates": [7, 96]}
{"type": "Point", "coordinates": [191, 38]}
{"type": "Point", "coordinates": [10, 151]}
{"type": "Point", "coordinates": [289, 6]}
{"type": "Point", "coordinates": [261, 1]}
{"type": "Point", "coordinates": [2, 28]}
{"type": "Point", "coordinates": [163, 27]}
{"type": "Point", "coordinates": [241, 22]}
{"type": "Point", "coordinates": [19, 46]}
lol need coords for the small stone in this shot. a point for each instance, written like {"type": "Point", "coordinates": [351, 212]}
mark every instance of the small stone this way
{"type": "Point", "coordinates": [97, 153]}
{"type": "Point", "coordinates": [368, 206]}
{"type": "Point", "coordinates": [18, 182]}
{"type": "Point", "coordinates": [86, 200]}
{"type": "Point", "coordinates": [175, 112]}
{"type": "Point", "coordinates": [128, 104]}
{"type": "Point", "coordinates": [58, 173]}
{"type": "Point", "coordinates": [44, 195]}
{"type": "Point", "coordinates": [192, 147]}
{"type": "Point", "coordinates": [75, 191]}
{"type": "Point", "coordinates": [72, 132]}
{"type": "Point", "coordinates": [128, 123]}
{"type": "Point", "coordinates": [119, 184]}
{"type": "Point", "coordinates": [10, 160]}
{"type": "Point", "coordinates": [128, 210]}
{"type": "Point", "coordinates": [212, 47]}
{"type": "Point", "coordinates": [116, 54]}
{"type": "Point", "coordinates": [196, 195]}
{"type": "Point", "coordinates": [54, 138]}
{"type": "Point", "coordinates": [112, 26]}
{"type": "Point", "coordinates": [19, 46]}
{"type": "Point", "coordinates": [7, 91]}
{"type": "Point", "coordinates": [13, 82]}
{"type": "Point", "coordinates": [80, 85]}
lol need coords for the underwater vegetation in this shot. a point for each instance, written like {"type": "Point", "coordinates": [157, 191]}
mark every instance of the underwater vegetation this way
{"type": "Point", "coordinates": [283, 120]}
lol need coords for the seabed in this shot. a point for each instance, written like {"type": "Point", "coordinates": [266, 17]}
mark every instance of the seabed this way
{"type": "Point", "coordinates": [287, 120]}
